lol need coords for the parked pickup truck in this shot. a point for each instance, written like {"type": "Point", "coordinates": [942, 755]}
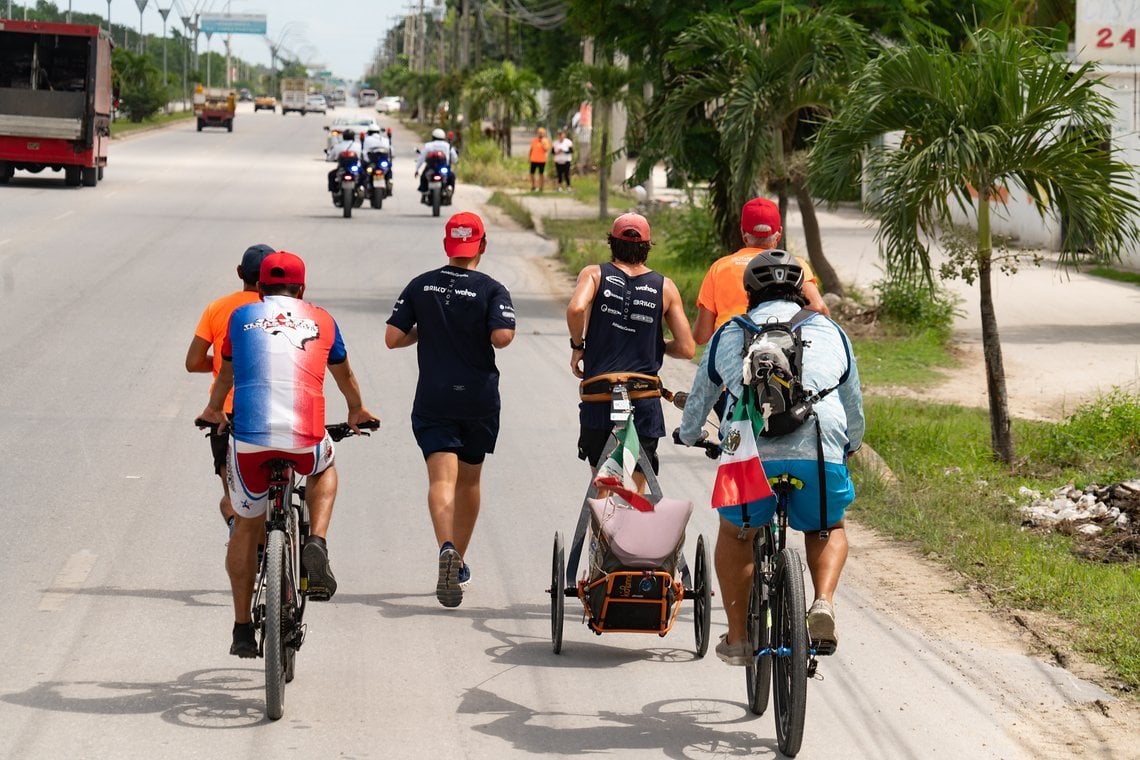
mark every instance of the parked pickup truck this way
{"type": "Point", "coordinates": [55, 99]}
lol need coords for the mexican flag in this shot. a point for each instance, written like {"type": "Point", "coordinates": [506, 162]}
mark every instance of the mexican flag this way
{"type": "Point", "coordinates": [740, 477]}
{"type": "Point", "coordinates": [616, 473]}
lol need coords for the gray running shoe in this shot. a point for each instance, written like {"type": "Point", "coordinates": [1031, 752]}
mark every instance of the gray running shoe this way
{"type": "Point", "coordinates": [447, 588]}
{"type": "Point", "coordinates": [739, 654]}
{"type": "Point", "coordinates": [821, 627]}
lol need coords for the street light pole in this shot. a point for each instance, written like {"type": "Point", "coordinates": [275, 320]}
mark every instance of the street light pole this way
{"type": "Point", "coordinates": [142, 40]}
{"type": "Point", "coordinates": [164, 12]}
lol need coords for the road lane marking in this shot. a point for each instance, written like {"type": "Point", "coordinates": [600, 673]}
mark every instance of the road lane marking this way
{"type": "Point", "coordinates": [70, 579]}
{"type": "Point", "coordinates": [64, 215]}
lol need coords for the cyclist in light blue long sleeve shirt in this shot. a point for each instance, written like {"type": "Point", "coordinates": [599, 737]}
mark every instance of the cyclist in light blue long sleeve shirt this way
{"type": "Point", "coordinates": [773, 281]}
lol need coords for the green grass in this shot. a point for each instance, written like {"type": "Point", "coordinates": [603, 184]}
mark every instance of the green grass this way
{"type": "Point", "coordinates": [909, 359]}
{"type": "Point", "coordinates": [121, 126]}
{"type": "Point", "coordinates": [513, 209]}
{"type": "Point", "coordinates": [1119, 275]}
{"type": "Point", "coordinates": [958, 505]}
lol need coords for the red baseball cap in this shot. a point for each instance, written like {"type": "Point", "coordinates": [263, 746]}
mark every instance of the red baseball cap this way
{"type": "Point", "coordinates": [463, 235]}
{"type": "Point", "coordinates": [282, 268]}
{"type": "Point", "coordinates": [633, 227]}
{"type": "Point", "coordinates": [760, 217]}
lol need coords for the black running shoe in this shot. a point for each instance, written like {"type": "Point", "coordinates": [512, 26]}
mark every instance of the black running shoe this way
{"type": "Point", "coordinates": [315, 560]}
{"type": "Point", "coordinates": [245, 641]}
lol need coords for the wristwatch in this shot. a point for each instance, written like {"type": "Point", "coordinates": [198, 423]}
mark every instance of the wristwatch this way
{"type": "Point", "coordinates": [577, 346]}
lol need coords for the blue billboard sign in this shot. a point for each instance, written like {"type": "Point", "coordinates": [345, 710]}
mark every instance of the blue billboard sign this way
{"type": "Point", "coordinates": [232, 23]}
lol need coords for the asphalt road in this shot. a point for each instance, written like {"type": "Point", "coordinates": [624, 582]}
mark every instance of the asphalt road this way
{"type": "Point", "coordinates": [115, 612]}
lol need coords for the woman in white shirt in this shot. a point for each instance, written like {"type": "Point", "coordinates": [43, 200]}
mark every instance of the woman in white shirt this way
{"type": "Point", "coordinates": [563, 155]}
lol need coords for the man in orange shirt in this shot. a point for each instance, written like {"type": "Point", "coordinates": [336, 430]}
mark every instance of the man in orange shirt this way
{"type": "Point", "coordinates": [539, 148]}
{"type": "Point", "coordinates": [211, 332]}
{"type": "Point", "coordinates": [722, 294]}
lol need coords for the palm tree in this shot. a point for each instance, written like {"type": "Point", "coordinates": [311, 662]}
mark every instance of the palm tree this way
{"type": "Point", "coordinates": [604, 85]}
{"type": "Point", "coordinates": [752, 90]}
{"type": "Point", "coordinates": [1004, 112]}
{"type": "Point", "coordinates": [508, 92]}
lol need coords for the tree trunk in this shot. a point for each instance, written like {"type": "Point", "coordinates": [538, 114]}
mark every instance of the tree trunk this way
{"type": "Point", "coordinates": [828, 279]}
{"type": "Point", "coordinates": [1001, 435]}
{"type": "Point", "coordinates": [604, 173]}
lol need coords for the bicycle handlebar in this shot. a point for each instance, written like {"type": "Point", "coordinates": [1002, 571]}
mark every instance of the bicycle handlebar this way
{"type": "Point", "coordinates": [337, 431]}
{"type": "Point", "coordinates": [712, 448]}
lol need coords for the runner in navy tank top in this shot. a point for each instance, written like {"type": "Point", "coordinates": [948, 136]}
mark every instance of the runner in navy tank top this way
{"type": "Point", "coordinates": [616, 318]}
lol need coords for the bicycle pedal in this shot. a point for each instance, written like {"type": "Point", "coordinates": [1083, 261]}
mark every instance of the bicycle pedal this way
{"type": "Point", "coordinates": [824, 648]}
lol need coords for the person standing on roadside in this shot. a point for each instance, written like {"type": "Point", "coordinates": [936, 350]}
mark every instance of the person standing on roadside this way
{"type": "Point", "coordinates": [539, 149]}
{"type": "Point", "coordinates": [616, 317]}
{"type": "Point", "coordinates": [205, 353]}
{"type": "Point", "coordinates": [563, 156]}
{"type": "Point", "coordinates": [456, 317]}
{"type": "Point", "coordinates": [722, 294]}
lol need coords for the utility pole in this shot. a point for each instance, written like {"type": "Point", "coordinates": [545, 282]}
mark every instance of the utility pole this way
{"type": "Point", "coordinates": [164, 12]}
{"type": "Point", "coordinates": [142, 40]}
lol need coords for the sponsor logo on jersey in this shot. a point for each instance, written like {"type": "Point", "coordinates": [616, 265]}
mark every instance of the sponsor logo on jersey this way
{"type": "Point", "coordinates": [297, 330]}
{"type": "Point", "coordinates": [647, 289]}
{"type": "Point", "coordinates": [646, 304]}
{"type": "Point", "coordinates": [641, 318]}
{"type": "Point", "coordinates": [615, 280]}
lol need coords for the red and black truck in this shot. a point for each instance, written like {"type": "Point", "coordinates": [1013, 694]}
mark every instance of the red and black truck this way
{"type": "Point", "coordinates": [56, 99]}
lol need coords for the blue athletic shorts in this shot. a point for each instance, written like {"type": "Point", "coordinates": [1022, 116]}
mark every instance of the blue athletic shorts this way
{"type": "Point", "coordinates": [803, 505]}
{"type": "Point", "coordinates": [471, 440]}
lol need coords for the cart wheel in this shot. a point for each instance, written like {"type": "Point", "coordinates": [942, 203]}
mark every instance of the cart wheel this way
{"type": "Point", "coordinates": [702, 597]}
{"type": "Point", "coordinates": [557, 593]}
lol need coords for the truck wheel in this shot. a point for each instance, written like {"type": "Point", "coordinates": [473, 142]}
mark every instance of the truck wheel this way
{"type": "Point", "coordinates": [71, 176]}
{"type": "Point", "coordinates": [90, 177]}
{"type": "Point", "coordinates": [99, 174]}
{"type": "Point", "coordinates": [199, 125]}
{"type": "Point", "coordinates": [6, 172]}
{"type": "Point", "coordinates": [230, 125]}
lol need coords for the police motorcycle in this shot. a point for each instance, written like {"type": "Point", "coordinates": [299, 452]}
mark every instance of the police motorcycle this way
{"type": "Point", "coordinates": [352, 183]}
{"type": "Point", "coordinates": [439, 181]}
{"type": "Point", "coordinates": [380, 166]}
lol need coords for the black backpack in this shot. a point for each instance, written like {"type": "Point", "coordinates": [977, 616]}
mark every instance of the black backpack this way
{"type": "Point", "coordinates": [772, 356]}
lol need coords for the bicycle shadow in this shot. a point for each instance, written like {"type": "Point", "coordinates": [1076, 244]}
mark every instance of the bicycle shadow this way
{"type": "Point", "coordinates": [515, 648]}
{"type": "Point", "coordinates": [217, 698]}
{"type": "Point", "coordinates": [187, 597]}
{"type": "Point", "coordinates": [679, 728]}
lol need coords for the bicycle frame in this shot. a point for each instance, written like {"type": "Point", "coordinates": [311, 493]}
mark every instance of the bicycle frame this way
{"type": "Point", "coordinates": [285, 512]}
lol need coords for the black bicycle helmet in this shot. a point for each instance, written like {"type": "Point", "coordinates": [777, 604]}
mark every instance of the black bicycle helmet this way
{"type": "Point", "coordinates": [774, 267]}
{"type": "Point", "coordinates": [348, 134]}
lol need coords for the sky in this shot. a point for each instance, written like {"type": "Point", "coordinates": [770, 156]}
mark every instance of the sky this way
{"type": "Point", "coordinates": [342, 34]}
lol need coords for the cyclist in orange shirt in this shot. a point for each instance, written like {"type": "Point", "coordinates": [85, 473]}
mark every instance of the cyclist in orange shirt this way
{"type": "Point", "coordinates": [722, 295]}
{"type": "Point", "coordinates": [211, 332]}
{"type": "Point", "coordinates": [539, 149]}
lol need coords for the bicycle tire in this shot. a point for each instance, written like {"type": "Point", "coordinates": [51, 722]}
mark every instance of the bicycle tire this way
{"type": "Point", "coordinates": [557, 595]}
{"type": "Point", "coordinates": [790, 627]}
{"type": "Point", "coordinates": [275, 623]}
{"type": "Point", "coordinates": [702, 598]}
{"type": "Point", "coordinates": [759, 674]}
{"type": "Point", "coordinates": [293, 567]}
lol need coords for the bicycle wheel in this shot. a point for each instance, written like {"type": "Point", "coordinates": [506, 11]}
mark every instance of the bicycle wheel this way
{"type": "Point", "coordinates": [759, 673]}
{"type": "Point", "coordinates": [295, 603]}
{"type": "Point", "coordinates": [276, 621]}
{"type": "Point", "coordinates": [557, 595]}
{"type": "Point", "coordinates": [702, 597]}
{"type": "Point", "coordinates": [790, 628]}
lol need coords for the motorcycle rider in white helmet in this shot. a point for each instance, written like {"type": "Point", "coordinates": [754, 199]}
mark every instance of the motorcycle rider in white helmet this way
{"type": "Point", "coordinates": [437, 144]}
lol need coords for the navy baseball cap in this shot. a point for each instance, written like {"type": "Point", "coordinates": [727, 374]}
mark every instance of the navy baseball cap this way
{"type": "Point", "coordinates": [251, 260]}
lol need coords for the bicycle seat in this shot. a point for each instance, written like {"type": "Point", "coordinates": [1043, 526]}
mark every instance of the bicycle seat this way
{"type": "Point", "coordinates": [642, 539]}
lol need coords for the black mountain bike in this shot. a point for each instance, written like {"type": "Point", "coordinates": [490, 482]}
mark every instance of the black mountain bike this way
{"type": "Point", "coordinates": [783, 655]}
{"type": "Point", "coordinates": [281, 587]}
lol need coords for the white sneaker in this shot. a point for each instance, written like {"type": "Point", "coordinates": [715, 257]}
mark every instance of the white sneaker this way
{"type": "Point", "coordinates": [738, 654]}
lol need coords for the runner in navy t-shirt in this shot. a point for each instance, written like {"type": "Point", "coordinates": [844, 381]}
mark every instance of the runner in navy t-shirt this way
{"type": "Point", "coordinates": [457, 317]}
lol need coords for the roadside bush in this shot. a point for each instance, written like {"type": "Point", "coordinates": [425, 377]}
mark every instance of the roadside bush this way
{"type": "Point", "coordinates": [913, 304]}
{"type": "Point", "coordinates": [1101, 439]}
{"type": "Point", "coordinates": [142, 92]}
{"type": "Point", "coordinates": [482, 163]}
